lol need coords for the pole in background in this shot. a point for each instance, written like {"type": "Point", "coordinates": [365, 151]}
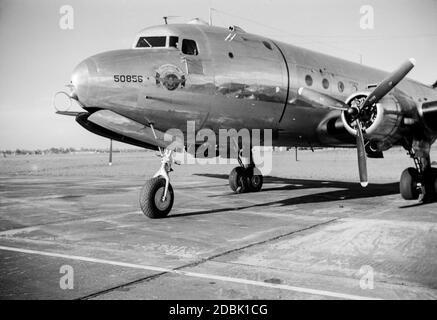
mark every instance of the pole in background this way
{"type": "Point", "coordinates": [110, 152]}
{"type": "Point", "coordinates": [295, 152]}
{"type": "Point", "coordinates": [210, 15]}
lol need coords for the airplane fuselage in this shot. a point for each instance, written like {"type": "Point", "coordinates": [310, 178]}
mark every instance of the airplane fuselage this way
{"type": "Point", "coordinates": [234, 80]}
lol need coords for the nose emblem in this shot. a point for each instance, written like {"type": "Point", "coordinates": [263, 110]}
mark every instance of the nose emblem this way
{"type": "Point", "coordinates": [170, 77]}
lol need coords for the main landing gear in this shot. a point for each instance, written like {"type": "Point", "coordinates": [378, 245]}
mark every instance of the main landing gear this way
{"type": "Point", "coordinates": [419, 182]}
{"type": "Point", "coordinates": [245, 178]}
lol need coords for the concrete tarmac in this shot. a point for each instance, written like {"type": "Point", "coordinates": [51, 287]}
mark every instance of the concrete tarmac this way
{"type": "Point", "coordinates": [311, 233]}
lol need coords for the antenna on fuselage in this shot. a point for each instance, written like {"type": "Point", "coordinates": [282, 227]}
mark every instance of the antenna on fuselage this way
{"type": "Point", "coordinates": [168, 17]}
{"type": "Point", "coordinates": [210, 15]}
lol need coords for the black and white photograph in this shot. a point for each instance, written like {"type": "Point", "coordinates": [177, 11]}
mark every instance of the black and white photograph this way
{"type": "Point", "coordinates": [234, 152]}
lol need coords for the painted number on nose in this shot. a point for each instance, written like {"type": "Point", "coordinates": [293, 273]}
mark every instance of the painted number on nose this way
{"type": "Point", "coordinates": [127, 78]}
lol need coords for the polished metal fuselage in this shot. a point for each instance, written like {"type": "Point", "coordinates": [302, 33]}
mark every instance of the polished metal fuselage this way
{"type": "Point", "coordinates": [237, 80]}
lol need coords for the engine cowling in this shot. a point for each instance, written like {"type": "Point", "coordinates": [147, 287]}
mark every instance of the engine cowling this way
{"type": "Point", "coordinates": [380, 122]}
{"type": "Point", "coordinates": [428, 114]}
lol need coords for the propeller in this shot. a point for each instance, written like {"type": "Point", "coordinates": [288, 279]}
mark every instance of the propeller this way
{"type": "Point", "coordinates": [359, 112]}
{"type": "Point", "coordinates": [361, 154]}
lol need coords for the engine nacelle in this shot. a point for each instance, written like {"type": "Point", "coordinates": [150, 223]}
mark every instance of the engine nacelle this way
{"type": "Point", "coordinates": [381, 122]}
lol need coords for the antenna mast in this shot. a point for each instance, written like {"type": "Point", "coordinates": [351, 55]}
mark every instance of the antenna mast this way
{"type": "Point", "coordinates": [210, 15]}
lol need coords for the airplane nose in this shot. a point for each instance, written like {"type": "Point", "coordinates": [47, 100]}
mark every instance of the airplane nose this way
{"type": "Point", "coordinates": [80, 79]}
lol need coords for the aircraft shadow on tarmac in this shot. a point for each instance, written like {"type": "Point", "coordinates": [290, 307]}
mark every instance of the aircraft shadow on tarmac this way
{"type": "Point", "coordinates": [349, 190]}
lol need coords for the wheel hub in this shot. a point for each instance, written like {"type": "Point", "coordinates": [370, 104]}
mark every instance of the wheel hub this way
{"type": "Point", "coordinates": [161, 203]}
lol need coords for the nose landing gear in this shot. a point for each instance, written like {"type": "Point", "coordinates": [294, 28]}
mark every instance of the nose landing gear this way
{"type": "Point", "coordinates": [156, 196]}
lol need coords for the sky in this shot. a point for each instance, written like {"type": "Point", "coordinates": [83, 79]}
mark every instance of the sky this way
{"type": "Point", "coordinates": [37, 56]}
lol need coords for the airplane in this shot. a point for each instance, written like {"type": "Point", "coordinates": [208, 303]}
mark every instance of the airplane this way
{"type": "Point", "coordinates": [228, 78]}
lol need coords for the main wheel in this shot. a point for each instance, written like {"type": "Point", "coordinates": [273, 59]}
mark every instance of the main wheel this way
{"type": "Point", "coordinates": [238, 180]}
{"type": "Point", "coordinates": [254, 179]}
{"type": "Point", "coordinates": [151, 202]}
{"type": "Point", "coordinates": [408, 184]}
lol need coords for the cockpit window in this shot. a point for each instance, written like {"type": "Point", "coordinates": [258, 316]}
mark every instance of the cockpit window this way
{"type": "Point", "coordinates": [173, 42]}
{"type": "Point", "coordinates": [189, 47]}
{"type": "Point", "coordinates": [151, 42]}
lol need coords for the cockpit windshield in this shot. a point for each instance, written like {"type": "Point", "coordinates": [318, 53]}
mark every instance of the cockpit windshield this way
{"type": "Point", "coordinates": [187, 46]}
{"type": "Point", "coordinates": [151, 42]}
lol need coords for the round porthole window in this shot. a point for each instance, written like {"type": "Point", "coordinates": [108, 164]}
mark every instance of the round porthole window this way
{"type": "Point", "coordinates": [325, 83]}
{"type": "Point", "coordinates": [308, 80]}
{"type": "Point", "coordinates": [340, 86]}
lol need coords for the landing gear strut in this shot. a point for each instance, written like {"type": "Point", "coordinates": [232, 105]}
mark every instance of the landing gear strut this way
{"type": "Point", "coordinates": [419, 182]}
{"type": "Point", "coordinates": [245, 178]}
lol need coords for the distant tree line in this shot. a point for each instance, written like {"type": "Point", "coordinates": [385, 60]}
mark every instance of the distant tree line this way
{"type": "Point", "coordinates": [61, 150]}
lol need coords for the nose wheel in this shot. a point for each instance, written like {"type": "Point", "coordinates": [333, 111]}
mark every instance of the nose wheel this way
{"type": "Point", "coordinates": [157, 196]}
{"type": "Point", "coordinates": [153, 202]}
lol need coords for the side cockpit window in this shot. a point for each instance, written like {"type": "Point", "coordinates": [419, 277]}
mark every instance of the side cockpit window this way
{"type": "Point", "coordinates": [151, 42]}
{"type": "Point", "coordinates": [173, 43]}
{"type": "Point", "coordinates": [189, 47]}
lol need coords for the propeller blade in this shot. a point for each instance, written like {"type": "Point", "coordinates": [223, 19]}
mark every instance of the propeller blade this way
{"type": "Point", "coordinates": [321, 99]}
{"type": "Point", "coordinates": [389, 83]}
{"type": "Point", "coordinates": [362, 157]}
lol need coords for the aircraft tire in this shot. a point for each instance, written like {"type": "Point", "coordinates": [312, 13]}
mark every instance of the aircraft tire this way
{"type": "Point", "coordinates": [254, 179]}
{"type": "Point", "coordinates": [238, 180]}
{"type": "Point", "coordinates": [408, 184]}
{"type": "Point", "coordinates": [151, 198]}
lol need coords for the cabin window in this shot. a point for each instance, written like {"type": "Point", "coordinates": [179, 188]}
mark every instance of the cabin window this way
{"type": "Point", "coordinates": [151, 42]}
{"type": "Point", "coordinates": [173, 42]}
{"type": "Point", "coordinates": [189, 47]}
{"type": "Point", "coordinates": [325, 83]}
{"type": "Point", "coordinates": [340, 86]}
{"type": "Point", "coordinates": [267, 45]}
{"type": "Point", "coordinates": [308, 80]}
